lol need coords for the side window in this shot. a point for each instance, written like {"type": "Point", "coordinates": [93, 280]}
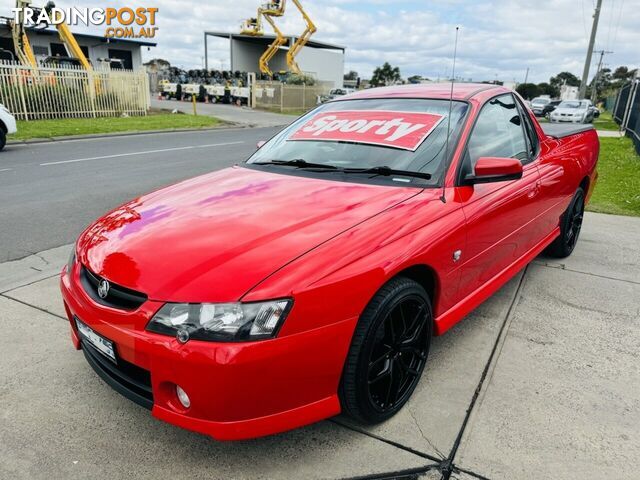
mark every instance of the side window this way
{"type": "Point", "coordinates": [532, 136]}
{"type": "Point", "coordinates": [498, 132]}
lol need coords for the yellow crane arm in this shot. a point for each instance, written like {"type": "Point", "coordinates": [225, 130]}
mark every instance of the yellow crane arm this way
{"type": "Point", "coordinates": [278, 42]}
{"type": "Point", "coordinates": [23, 50]}
{"type": "Point", "coordinates": [302, 39]}
{"type": "Point", "coordinates": [21, 42]}
{"type": "Point", "coordinates": [71, 43]}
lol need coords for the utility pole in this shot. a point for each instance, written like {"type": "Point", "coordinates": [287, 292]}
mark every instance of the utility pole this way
{"type": "Point", "coordinates": [526, 76]}
{"type": "Point", "coordinates": [592, 42]}
{"type": "Point", "coordinates": [596, 79]}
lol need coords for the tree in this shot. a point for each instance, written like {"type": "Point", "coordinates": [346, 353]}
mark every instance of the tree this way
{"type": "Point", "coordinates": [547, 89]}
{"type": "Point", "coordinates": [385, 75]}
{"type": "Point", "coordinates": [352, 75]}
{"type": "Point", "coordinates": [563, 78]}
{"type": "Point", "coordinates": [528, 90]}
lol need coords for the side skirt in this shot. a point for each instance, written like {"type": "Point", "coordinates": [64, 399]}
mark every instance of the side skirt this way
{"type": "Point", "coordinates": [456, 313]}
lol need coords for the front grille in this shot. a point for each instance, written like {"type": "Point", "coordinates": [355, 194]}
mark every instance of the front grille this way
{"type": "Point", "coordinates": [125, 378]}
{"type": "Point", "coordinates": [118, 297]}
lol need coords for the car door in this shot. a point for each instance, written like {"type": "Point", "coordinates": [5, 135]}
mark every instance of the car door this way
{"type": "Point", "coordinates": [502, 217]}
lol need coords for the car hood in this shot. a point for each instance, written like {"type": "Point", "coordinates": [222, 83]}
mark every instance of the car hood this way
{"type": "Point", "coordinates": [214, 237]}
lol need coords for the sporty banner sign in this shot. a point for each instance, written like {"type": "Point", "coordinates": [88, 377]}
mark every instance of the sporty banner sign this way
{"type": "Point", "coordinates": [403, 130]}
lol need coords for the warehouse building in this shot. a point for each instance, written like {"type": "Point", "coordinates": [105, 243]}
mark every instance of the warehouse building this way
{"type": "Point", "coordinates": [323, 61]}
{"type": "Point", "coordinates": [46, 43]}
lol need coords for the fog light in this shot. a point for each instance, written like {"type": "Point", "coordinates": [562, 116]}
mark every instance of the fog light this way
{"type": "Point", "coordinates": [183, 397]}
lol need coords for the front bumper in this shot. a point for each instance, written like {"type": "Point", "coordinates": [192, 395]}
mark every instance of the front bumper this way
{"type": "Point", "coordinates": [566, 120]}
{"type": "Point", "coordinates": [237, 390]}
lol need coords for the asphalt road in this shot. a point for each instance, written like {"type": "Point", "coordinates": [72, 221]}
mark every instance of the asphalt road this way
{"type": "Point", "coordinates": [50, 192]}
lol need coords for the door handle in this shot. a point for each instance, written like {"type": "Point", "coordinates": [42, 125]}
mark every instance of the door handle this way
{"type": "Point", "coordinates": [534, 190]}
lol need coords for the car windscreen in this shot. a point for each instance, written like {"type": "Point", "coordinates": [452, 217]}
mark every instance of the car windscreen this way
{"type": "Point", "coordinates": [540, 101]}
{"type": "Point", "coordinates": [572, 105]}
{"type": "Point", "coordinates": [402, 134]}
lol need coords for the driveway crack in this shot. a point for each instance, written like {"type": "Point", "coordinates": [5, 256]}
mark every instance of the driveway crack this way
{"type": "Point", "coordinates": [424, 437]}
{"type": "Point", "coordinates": [44, 310]}
{"type": "Point", "coordinates": [448, 466]}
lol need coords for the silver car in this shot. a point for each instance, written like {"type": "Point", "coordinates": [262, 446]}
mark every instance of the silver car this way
{"type": "Point", "coordinates": [573, 111]}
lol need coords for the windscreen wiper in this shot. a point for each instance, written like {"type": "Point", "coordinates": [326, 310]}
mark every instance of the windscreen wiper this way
{"type": "Point", "coordinates": [387, 172]}
{"type": "Point", "coordinates": [298, 163]}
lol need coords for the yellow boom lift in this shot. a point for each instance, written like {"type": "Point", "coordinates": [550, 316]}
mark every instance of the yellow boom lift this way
{"type": "Point", "coordinates": [302, 39]}
{"type": "Point", "coordinates": [276, 8]}
{"type": "Point", "coordinates": [253, 27]}
{"type": "Point", "coordinates": [21, 41]}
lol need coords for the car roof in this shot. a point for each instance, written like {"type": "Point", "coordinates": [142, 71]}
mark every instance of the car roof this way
{"type": "Point", "coordinates": [461, 91]}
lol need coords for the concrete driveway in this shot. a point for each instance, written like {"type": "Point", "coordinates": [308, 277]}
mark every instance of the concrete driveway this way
{"type": "Point", "coordinates": [541, 381]}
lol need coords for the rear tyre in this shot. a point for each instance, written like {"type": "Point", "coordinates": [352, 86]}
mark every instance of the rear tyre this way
{"type": "Point", "coordinates": [570, 227]}
{"type": "Point", "coordinates": [388, 352]}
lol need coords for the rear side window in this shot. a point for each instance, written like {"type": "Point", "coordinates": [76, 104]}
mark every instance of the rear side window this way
{"type": "Point", "coordinates": [498, 132]}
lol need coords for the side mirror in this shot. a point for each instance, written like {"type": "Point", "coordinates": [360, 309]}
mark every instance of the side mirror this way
{"type": "Point", "coordinates": [494, 169]}
{"type": "Point", "coordinates": [260, 144]}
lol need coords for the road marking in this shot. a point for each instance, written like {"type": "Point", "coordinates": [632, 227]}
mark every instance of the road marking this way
{"type": "Point", "coordinates": [6, 169]}
{"type": "Point", "coordinates": [146, 152]}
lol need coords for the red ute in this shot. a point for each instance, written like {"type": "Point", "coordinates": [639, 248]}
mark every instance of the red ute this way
{"type": "Point", "coordinates": [310, 279]}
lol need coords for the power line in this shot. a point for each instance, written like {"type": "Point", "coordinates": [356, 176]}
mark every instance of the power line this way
{"type": "Point", "coordinates": [596, 79]}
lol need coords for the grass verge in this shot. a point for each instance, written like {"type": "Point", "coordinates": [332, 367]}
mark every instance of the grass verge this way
{"type": "Point", "coordinates": [89, 126]}
{"type": "Point", "coordinates": [605, 122]}
{"type": "Point", "coordinates": [618, 188]}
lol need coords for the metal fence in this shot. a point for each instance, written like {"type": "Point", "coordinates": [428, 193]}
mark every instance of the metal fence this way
{"type": "Point", "coordinates": [283, 97]}
{"type": "Point", "coordinates": [71, 92]}
{"type": "Point", "coordinates": [626, 111]}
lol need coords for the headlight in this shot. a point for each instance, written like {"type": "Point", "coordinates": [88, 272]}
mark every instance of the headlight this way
{"type": "Point", "coordinates": [220, 322]}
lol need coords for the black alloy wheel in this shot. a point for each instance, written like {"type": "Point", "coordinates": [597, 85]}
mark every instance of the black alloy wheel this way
{"type": "Point", "coordinates": [388, 353]}
{"type": "Point", "coordinates": [570, 227]}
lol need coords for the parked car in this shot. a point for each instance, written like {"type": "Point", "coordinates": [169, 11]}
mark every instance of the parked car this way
{"type": "Point", "coordinates": [593, 108]}
{"type": "Point", "coordinates": [333, 94]}
{"type": "Point", "coordinates": [550, 107]}
{"type": "Point", "coordinates": [311, 279]}
{"type": "Point", "coordinates": [538, 104]}
{"type": "Point", "coordinates": [573, 111]}
{"type": "Point", "coordinates": [7, 125]}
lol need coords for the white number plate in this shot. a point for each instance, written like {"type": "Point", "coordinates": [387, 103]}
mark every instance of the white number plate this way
{"type": "Point", "coordinates": [100, 343]}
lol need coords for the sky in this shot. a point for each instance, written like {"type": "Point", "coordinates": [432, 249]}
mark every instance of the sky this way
{"type": "Point", "coordinates": [499, 39]}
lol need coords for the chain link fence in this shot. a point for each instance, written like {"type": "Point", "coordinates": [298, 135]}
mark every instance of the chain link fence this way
{"type": "Point", "coordinates": [282, 97]}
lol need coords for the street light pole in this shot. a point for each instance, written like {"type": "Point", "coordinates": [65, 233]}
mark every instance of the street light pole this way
{"type": "Point", "coordinates": [592, 42]}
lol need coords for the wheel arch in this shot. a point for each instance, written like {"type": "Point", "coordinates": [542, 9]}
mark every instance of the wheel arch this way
{"type": "Point", "coordinates": [584, 184]}
{"type": "Point", "coordinates": [3, 127]}
{"type": "Point", "coordinates": [425, 276]}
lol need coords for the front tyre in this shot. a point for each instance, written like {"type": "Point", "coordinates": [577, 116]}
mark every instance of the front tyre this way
{"type": "Point", "coordinates": [570, 227]}
{"type": "Point", "coordinates": [3, 139]}
{"type": "Point", "coordinates": [388, 352]}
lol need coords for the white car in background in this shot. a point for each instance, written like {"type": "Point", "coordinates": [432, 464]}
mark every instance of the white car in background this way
{"type": "Point", "coordinates": [573, 111]}
{"type": "Point", "coordinates": [333, 94]}
{"type": "Point", "coordinates": [7, 125]}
